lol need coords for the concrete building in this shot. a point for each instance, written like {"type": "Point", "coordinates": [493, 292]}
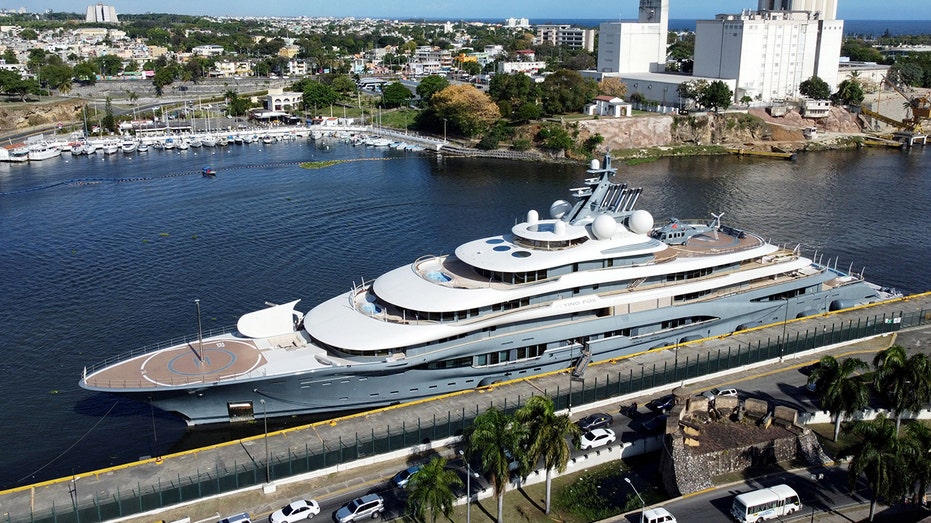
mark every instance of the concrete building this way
{"type": "Point", "coordinates": [103, 14]}
{"type": "Point", "coordinates": [772, 50]}
{"type": "Point", "coordinates": [207, 50]}
{"type": "Point", "coordinates": [635, 47]}
{"type": "Point", "coordinates": [565, 35]}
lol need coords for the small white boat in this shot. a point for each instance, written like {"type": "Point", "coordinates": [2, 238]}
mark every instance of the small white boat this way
{"type": "Point", "coordinates": [267, 139]}
{"type": "Point", "coordinates": [195, 142]}
{"type": "Point", "coordinates": [77, 149]}
{"type": "Point", "coordinates": [110, 147]}
{"type": "Point", "coordinates": [169, 144]}
{"type": "Point", "coordinates": [90, 148]}
{"type": "Point", "coordinates": [129, 146]}
{"type": "Point", "coordinates": [19, 155]}
{"type": "Point", "coordinates": [43, 151]}
{"type": "Point", "coordinates": [182, 145]}
{"type": "Point", "coordinates": [209, 141]}
{"type": "Point", "coordinates": [142, 147]}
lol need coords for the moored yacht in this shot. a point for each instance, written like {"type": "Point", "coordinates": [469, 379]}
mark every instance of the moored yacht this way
{"type": "Point", "coordinates": [595, 280]}
{"type": "Point", "coordinates": [43, 151]}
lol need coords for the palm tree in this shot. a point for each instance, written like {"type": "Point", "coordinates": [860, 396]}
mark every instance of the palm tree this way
{"type": "Point", "coordinates": [840, 390]}
{"type": "Point", "coordinates": [495, 437]}
{"type": "Point", "coordinates": [904, 382]}
{"type": "Point", "coordinates": [892, 380]}
{"type": "Point", "coordinates": [881, 458]}
{"type": "Point", "coordinates": [432, 487]}
{"type": "Point", "coordinates": [548, 436]}
{"type": "Point", "coordinates": [918, 437]}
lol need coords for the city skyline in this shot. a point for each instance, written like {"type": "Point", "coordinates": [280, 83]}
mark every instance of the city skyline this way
{"type": "Point", "coordinates": [606, 10]}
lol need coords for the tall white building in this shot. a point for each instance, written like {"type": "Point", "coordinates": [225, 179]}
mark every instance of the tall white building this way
{"type": "Point", "coordinates": [635, 47]}
{"type": "Point", "coordinates": [101, 14]}
{"type": "Point", "coordinates": [769, 52]}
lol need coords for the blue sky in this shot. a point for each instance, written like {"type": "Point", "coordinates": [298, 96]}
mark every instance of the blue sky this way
{"type": "Point", "coordinates": [477, 9]}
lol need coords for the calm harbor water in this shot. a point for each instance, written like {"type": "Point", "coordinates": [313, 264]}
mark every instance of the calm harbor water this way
{"type": "Point", "coordinates": [115, 258]}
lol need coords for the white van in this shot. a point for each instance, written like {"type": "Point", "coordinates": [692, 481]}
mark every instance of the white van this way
{"type": "Point", "coordinates": [657, 515]}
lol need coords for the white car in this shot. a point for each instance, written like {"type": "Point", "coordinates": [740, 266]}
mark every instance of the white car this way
{"type": "Point", "coordinates": [715, 392]}
{"type": "Point", "coordinates": [596, 438]}
{"type": "Point", "coordinates": [295, 511]}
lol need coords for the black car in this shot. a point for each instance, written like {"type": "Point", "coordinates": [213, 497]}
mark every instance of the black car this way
{"type": "Point", "coordinates": [656, 423]}
{"type": "Point", "coordinates": [663, 404]}
{"type": "Point", "coordinates": [599, 420]}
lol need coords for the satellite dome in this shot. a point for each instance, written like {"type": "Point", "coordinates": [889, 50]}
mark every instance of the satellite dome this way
{"type": "Point", "coordinates": [640, 221]}
{"type": "Point", "coordinates": [559, 228]}
{"type": "Point", "coordinates": [604, 227]}
{"type": "Point", "coordinates": [595, 165]}
{"type": "Point", "coordinates": [532, 217]}
{"type": "Point", "coordinates": [559, 209]}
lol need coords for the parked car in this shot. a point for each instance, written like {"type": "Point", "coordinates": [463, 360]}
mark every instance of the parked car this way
{"type": "Point", "coordinates": [598, 420]}
{"type": "Point", "coordinates": [715, 392]}
{"type": "Point", "coordinates": [401, 479]}
{"type": "Point", "coordinates": [596, 438]}
{"type": "Point", "coordinates": [657, 515]}
{"type": "Point", "coordinates": [662, 404]}
{"type": "Point", "coordinates": [295, 511]}
{"type": "Point", "coordinates": [238, 518]}
{"type": "Point", "coordinates": [656, 423]}
{"type": "Point", "coordinates": [368, 506]}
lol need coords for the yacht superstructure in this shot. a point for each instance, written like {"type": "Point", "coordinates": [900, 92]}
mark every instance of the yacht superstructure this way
{"type": "Point", "coordinates": [593, 281]}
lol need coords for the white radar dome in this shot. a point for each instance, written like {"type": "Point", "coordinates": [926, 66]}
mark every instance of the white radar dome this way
{"type": "Point", "coordinates": [532, 217]}
{"type": "Point", "coordinates": [595, 165]}
{"type": "Point", "coordinates": [640, 221]}
{"type": "Point", "coordinates": [604, 227]}
{"type": "Point", "coordinates": [559, 209]}
{"type": "Point", "coordinates": [559, 229]}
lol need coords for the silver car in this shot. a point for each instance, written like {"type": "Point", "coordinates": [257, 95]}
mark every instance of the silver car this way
{"type": "Point", "coordinates": [370, 505]}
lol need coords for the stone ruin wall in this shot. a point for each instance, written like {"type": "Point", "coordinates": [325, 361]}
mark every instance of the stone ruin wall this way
{"type": "Point", "coordinates": [684, 471]}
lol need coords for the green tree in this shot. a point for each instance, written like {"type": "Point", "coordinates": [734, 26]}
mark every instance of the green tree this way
{"type": "Point", "coordinates": [85, 73]}
{"type": "Point", "coordinates": [109, 121]}
{"type": "Point", "coordinates": [555, 138]}
{"type": "Point", "coordinates": [881, 458]}
{"type": "Point", "coordinates": [344, 85]}
{"type": "Point", "coordinates": [716, 95]}
{"type": "Point", "coordinates": [432, 488]}
{"type": "Point", "coordinates": [841, 391]}
{"type": "Point", "coordinates": [905, 382]}
{"type": "Point", "coordinates": [692, 90]}
{"type": "Point", "coordinates": [109, 65]}
{"type": "Point", "coordinates": [57, 77]}
{"type": "Point", "coordinates": [163, 77]}
{"type": "Point", "coordinates": [395, 95]}
{"type": "Point", "coordinates": [815, 88]}
{"type": "Point", "coordinates": [512, 92]}
{"type": "Point", "coordinates": [567, 91]}
{"type": "Point", "coordinates": [429, 86]}
{"type": "Point", "coordinates": [29, 34]}
{"type": "Point", "coordinates": [237, 106]}
{"type": "Point", "coordinates": [495, 438]}
{"type": "Point", "coordinates": [318, 95]}
{"type": "Point", "coordinates": [904, 73]}
{"type": "Point", "coordinates": [548, 436]}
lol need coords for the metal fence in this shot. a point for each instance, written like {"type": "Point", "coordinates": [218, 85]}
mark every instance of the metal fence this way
{"type": "Point", "coordinates": [392, 438]}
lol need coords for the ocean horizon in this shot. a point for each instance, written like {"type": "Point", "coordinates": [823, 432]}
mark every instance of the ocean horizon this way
{"type": "Point", "coordinates": [851, 27]}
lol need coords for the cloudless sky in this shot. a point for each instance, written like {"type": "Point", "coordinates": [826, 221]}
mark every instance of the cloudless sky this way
{"type": "Point", "coordinates": [536, 10]}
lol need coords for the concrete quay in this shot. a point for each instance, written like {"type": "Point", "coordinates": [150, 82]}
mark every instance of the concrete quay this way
{"type": "Point", "coordinates": [219, 460]}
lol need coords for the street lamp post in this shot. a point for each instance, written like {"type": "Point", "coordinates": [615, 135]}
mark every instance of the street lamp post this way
{"type": "Point", "coordinates": [444, 130]}
{"type": "Point", "coordinates": [469, 474]}
{"type": "Point", "coordinates": [265, 419]}
{"type": "Point", "coordinates": [642, 504]}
